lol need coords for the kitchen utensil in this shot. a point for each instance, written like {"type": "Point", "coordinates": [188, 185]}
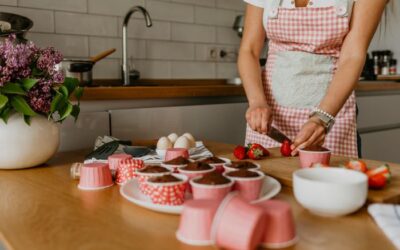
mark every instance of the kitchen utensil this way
{"type": "Point", "coordinates": [211, 192]}
{"type": "Point", "coordinates": [137, 151]}
{"type": "Point", "coordinates": [127, 170]}
{"type": "Point", "coordinates": [102, 55]}
{"type": "Point", "coordinates": [308, 157]}
{"type": "Point", "coordinates": [104, 151]}
{"type": "Point", "coordinates": [196, 221]}
{"type": "Point", "coordinates": [277, 135]}
{"type": "Point", "coordinates": [14, 24]}
{"type": "Point", "coordinates": [248, 188]}
{"type": "Point", "coordinates": [95, 176]}
{"type": "Point", "coordinates": [330, 192]}
{"type": "Point", "coordinates": [280, 231]}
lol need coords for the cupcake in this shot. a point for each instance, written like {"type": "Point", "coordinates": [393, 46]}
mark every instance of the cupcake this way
{"type": "Point", "coordinates": [176, 163]}
{"type": "Point", "coordinates": [167, 189]}
{"type": "Point", "coordinates": [149, 172]}
{"type": "Point", "coordinates": [236, 165]}
{"type": "Point", "coordinates": [194, 169]}
{"type": "Point", "coordinates": [247, 182]}
{"type": "Point", "coordinates": [217, 162]}
{"type": "Point", "coordinates": [213, 186]}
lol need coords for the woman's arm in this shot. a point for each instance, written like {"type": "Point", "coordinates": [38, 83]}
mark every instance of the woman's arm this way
{"type": "Point", "coordinates": [365, 19]}
{"type": "Point", "coordinates": [258, 115]}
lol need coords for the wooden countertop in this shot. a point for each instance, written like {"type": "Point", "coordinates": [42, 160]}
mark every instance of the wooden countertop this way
{"type": "Point", "coordinates": [42, 208]}
{"type": "Point", "coordinates": [186, 88]}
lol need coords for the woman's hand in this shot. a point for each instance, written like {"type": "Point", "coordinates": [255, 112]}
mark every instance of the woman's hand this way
{"type": "Point", "coordinates": [312, 133]}
{"type": "Point", "coordinates": [259, 118]}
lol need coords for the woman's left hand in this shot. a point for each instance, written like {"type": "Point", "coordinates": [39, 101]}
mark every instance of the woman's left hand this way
{"type": "Point", "coordinates": [312, 133]}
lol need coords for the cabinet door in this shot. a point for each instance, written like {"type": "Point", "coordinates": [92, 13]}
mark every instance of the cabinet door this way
{"type": "Point", "coordinates": [383, 145]}
{"type": "Point", "coordinates": [378, 110]}
{"type": "Point", "coordinates": [220, 122]}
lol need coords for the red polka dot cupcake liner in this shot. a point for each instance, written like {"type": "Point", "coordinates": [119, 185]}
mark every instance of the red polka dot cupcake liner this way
{"type": "Point", "coordinates": [172, 194]}
{"type": "Point", "coordinates": [127, 170]}
{"type": "Point", "coordinates": [143, 177]}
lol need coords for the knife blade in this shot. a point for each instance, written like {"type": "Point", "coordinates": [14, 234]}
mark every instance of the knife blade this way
{"type": "Point", "coordinates": [277, 135]}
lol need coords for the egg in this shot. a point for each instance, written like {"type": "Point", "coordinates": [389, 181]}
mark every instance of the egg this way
{"type": "Point", "coordinates": [182, 142]}
{"type": "Point", "coordinates": [164, 143]}
{"type": "Point", "coordinates": [172, 137]}
{"type": "Point", "coordinates": [191, 139]}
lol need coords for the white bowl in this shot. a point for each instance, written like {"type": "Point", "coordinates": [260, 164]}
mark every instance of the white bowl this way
{"type": "Point", "coordinates": [330, 192]}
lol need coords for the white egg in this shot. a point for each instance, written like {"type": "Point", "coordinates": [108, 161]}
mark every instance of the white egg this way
{"type": "Point", "coordinates": [172, 137]}
{"type": "Point", "coordinates": [191, 139]}
{"type": "Point", "coordinates": [164, 143]}
{"type": "Point", "coordinates": [182, 142]}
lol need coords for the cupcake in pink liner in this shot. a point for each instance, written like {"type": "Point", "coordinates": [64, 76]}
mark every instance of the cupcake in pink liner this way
{"type": "Point", "coordinates": [149, 172]}
{"type": "Point", "coordinates": [213, 186]}
{"type": "Point", "coordinates": [237, 165]}
{"type": "Point", "coordinates": [167, 189]}
{"type": "Point", "coordinates": [312, 155]}
{"type": "Point", "coordinates": [247, 182]}
{"type": "Point", "coordinates": [115, 159]}
{"type": "Point", "coordinates": [173, 153]}
{"type": "Point", "coordinates": [95, 176]}
{"type": "Point", "coordinates": [176, 163]}
{"type": "Point", "coordinates": [195, 169]}
{"type": "Point", "coordinates": [280, 229]}
{"type": "Point", "coordinates": [238, 225]}
{"type": "Point", "coordinates": [127, 170]}
{"type": "Point", "coordinates": [196, 221]}
{"type": "Point", "coordinates": [217, 162]}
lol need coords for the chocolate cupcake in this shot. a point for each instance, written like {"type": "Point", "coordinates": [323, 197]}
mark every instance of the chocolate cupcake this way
{"type": "Point", "coordinates": [247, 182]}
{"type": "Point", "coordinates": [150, 171]}
{"type": "Point", "coordinates": [197, 166]}
{"type": "Point", "coordinates": [211, 186]}
{"type": "Point", "coordinates": [213, 178]}
{"type": "Point", "coordinates": [243, 173]}
{"type": "Point", "coordinates": [236, 165]}
{"type": "Point", "coordinates": [316, 149]}
{"type": "Point", "coordinates": [213, 160]}
{"type": "Point", "coordinates": [167, 189]}
{"type": "Point", "coordinates": [177, 161]}
{"type": "Point", "coordinates": [164, 179]}
{"type": "Point", "coordinates": [153, 169]}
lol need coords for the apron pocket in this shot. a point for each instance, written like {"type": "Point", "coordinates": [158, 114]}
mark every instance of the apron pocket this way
{"type": "Point", "coordinates": [300, 79]}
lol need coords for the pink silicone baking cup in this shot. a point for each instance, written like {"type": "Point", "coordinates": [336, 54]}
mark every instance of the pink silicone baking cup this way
{"type": "Point", "coordinates": [280, 230]}
{"type": "Point", "coordinates": [248, 188]}
{"type": "Point", "coordinates": [237, 225]}
{"type": "Point", "coordinates": [212, 192]}
{"type": "Point", "coordinates": [308, 158]}
{"type": "Point", "coordinates": [127, 170]}
{"type": "Point", "coordinates": [194, 174]}
{"type": "Point", "coordinates": [143, 177]}
{"type": "Point", "coordinates": [173, 153]}
{"type": "Point", "coordinates": [115, 159]}
{"type": "Point", "coordinates": [228, 169]}
{"type": "Point", "coordinates": [171, 194]}
{"type": "Point", "coordinates": [95, 176]}
{"type": "Point", "coordinates": [219, 167]}
{"type": "Point", "coordinates": [196, 221]}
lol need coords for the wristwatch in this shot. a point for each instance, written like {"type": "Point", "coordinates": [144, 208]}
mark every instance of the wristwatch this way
{"type": "Point", "coordinates": [327, 119]}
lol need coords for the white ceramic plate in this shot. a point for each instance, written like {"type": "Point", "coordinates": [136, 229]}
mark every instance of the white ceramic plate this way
{"type": "Point", "coordinates": [131, 192]}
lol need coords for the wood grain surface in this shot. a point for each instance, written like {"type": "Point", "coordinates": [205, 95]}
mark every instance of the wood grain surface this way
{"type": "Point", "coordinates": [41, 208]}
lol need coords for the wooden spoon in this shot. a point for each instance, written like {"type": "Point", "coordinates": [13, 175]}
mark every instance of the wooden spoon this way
{"type": "Point", "coordinates": [102, 55]}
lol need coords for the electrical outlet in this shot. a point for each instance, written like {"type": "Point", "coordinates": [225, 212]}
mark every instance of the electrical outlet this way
{"type": "Point", "coordinates": [227, 54]}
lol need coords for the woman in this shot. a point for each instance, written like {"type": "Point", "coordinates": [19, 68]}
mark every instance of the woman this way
{"type": "Point", "coordinates": [316, 54]}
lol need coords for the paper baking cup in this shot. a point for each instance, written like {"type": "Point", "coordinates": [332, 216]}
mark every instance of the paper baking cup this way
{"type": "Point", "coordinates": [143, 177]}
{"type": "Point", "coordinates": [228, 168]}
{"type": "Point", "coordinates": [248, 188]}
{"type": "Point", "coordinates": [219, 167]}
{"type": "Point", "coordinates": [235, 229]}
{"type": "Point", "coordinates": [173, 167]}
{"type": "Point", "coordinates": [280, 229]}
{"type": "Point", "coordinates": [127, 170]}
{"type": "Point", "coordinates": [196, 221]}
{"type": "Point", "coordinates": [95, 176]}
{"type": "Point", "coordinates": [212, 192]}
{"type": "Point", "coordinates": [171, 194]}
{"type": "Point", "coordinates": [308, 158]}
{"type": "Point", "coordinates": [194, 174]}
{"type": "Point", "coordinates": [115, 159]}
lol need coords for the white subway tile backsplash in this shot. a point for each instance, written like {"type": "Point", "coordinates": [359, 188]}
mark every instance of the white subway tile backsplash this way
{"type": "Point", "coordinates": [212, 16]}
{"type": "Point", "coordinates": [107, 69]}
{"type": "Point", "coordinates": [43, 19]}
{"type": "Point", "coordinates": [170, 50]}
{"type": "Point", "coordinates": [193, 33]}
{"type": "Point", "coordinates": [8, 2]}
{"type": "Point", "coordinates": [67, 5]}
{"type": "Point", "coordinates": [227, 36]}
{"type": "Point", "coordinates": [137, 29]}
{"type": "Point", "coordinates": [170, 11]}
{"type": "Point", "coordinates": [227, 70]}
{"type": "Point", "coordinates": [108, 7]}
{"type": "Point", "coordinates": [189, 70]}
{"type": "Point", "coordinates": [210, 3]}
{"type": "Point", "coordinates": [136, 48]}
{"type": "Point", "coordinates": [231, 4]}
{"type": "Point", "coordinates": [83, 24]}
{"type": "Point", "coordinates": [153, 69]}
{"type": "Point", "coordinates": [70, 46]}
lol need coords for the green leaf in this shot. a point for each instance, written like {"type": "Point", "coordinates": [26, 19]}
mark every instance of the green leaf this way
{"type": "Point", "coordinates": [13, 88]}
{"type": "Point", "coordinates": [37, 72]}
{"type": "Point", "coordinates": [66, 112]}
{"type": "Point", "coordinates": [75, 112]}
{"type": "Point", "coordinates": [27, 119]}
{"type": "Point", "coordinates": [28, 83]}
{"type": "Point", "coordinates": [54, 106]}
{"type": "Point", "coordinates": [64, 91]}
{"type": "Point", "coordinates": [78, 93]}
{"type": "Point", "coordinates": [5, 114]}
{"type": "Point", "coordinates": [3, 101]}
{"type": "Point", "coordinates": [20, 105]}
{"type": "Point", "coordinates": [71, 84]}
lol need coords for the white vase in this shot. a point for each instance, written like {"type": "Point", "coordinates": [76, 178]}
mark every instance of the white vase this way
{"type": "Point", "coordinates": [24, 146]}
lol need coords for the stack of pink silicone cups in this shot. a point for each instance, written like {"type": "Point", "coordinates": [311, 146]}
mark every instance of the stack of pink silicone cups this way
{"type": "Point", "coordinates": [234, 223]}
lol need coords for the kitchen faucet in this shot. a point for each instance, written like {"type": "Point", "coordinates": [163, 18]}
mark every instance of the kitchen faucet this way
{"type": "Point", "coordinates": [149, 23]}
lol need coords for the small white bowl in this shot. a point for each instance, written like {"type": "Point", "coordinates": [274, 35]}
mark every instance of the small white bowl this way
{"type": "Point", "coordinates": [330, 192]}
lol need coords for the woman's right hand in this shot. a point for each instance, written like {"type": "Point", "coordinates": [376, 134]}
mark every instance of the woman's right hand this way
{"type": "Point", "coordinates": [259, 118]}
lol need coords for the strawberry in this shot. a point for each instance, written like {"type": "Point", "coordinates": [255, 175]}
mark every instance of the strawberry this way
{"type": "Point", "coordinates": [255, 153]}
{"type": "Point", "coordinates": [256, 145]}
{"type": "Point", "coordinates": [377, 181]}
{"type": "Point", "coordinates": [357, 165]}
{"type": "Point", "coordinates": [382, 170]}
{"type": "Point", "coordinates": [285, 148]}
{"type": "Point", "coordinates": [240, 152]}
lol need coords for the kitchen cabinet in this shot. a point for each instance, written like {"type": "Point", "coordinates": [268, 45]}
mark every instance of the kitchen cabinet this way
{"type": "Point", "coordinates": [217, 122]}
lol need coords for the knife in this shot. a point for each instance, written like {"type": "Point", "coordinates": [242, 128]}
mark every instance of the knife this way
{"type": "Point", "coordinates": [277, 135]}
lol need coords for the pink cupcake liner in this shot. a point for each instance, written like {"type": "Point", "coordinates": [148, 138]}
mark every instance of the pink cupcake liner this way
{"type": "Point", "coordinates": [228, 169]}
{"type": "Point", "coordinates": [127, 170]}
{"type": "Point", "coordinates": [248, 188]}
{"type": "Point", "coordinates": [309, 158]}
{"type": "Point", "coordinates": [211, 192]}
{"type": "Point", "coordinates": [173, 153]}
{"type": "Point", "coordinates": [171, 194]}
{"type": "Point", "coordinates": [194, 174]}
{"type": "Point", "coordinates": [173, 167]}
{"type": "Point", "coordinates": [115, 159]}
{"type": "Point", "coordinates": [219, 167]}
{"type": "Point", "coordinates": [95, 176]}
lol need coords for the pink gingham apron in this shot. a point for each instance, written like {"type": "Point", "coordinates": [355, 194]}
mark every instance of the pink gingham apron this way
{"type": "Point", "coordinates": [320, 31]}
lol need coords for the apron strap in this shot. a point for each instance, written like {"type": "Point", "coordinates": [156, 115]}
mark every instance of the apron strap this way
{"type": "Point", "coordinates": [273, 8]}
{"type": "Point", "coordinates": [343, 7]}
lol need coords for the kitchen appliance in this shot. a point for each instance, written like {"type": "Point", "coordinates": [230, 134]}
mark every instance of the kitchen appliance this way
{"type": "Point", "coordinates": [14, 24]}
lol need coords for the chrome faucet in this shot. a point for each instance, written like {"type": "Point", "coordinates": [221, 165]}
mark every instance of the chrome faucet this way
{"type": "Point", "coordinates": [149, 23]}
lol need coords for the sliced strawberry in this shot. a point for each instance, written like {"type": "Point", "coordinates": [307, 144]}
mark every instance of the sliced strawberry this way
{"type": "Point", "coordinates": [240, 152]}
{"type": "Point", "coordinates": [259, 146]}
{"type": "Point", "coordinates": [357, 165]}
{"type": "Point", "coordinates": [377, 181]}
{"type": "Point", "coordinates": [381, 170]}
{"type": "Point", "coordinates": [255, 153]}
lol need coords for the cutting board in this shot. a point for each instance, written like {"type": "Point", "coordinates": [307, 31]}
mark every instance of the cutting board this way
{"type": "Point", "coordinates": [282, 169]}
